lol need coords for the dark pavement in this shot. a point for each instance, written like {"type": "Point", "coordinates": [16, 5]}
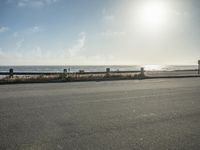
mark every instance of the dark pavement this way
{"type": "Point", "coordinates": [161, 114]}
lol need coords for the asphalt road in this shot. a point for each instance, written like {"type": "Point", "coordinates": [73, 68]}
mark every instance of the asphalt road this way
{"type": "Point", "coordinates": [156, 114]}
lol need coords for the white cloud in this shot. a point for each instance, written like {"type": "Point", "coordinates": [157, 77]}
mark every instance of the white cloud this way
{"type": "Point", "coordinates": [112, 33]}
{"type": "Point", "coordinates": [1, 52]}
{"type": "Point", "coordinates": [103, 11]}
{"type": "Point", "coordinates": [9, 1]}
{"type": "Point", "coordinates": [32, 3]}
{"type": "Point", "coordinates": [37, 52]}
{"type": "Point", "coordinates": [3, 29]}
{"type": "Point", "coordinates": [19, 44]}
{"type": "Point", "coordinates": [38, 3]}
{"type": "Point", "coordinates": [34, 29]}
{"type": "Point", "coordinates": [107, 16]}
{"type": "Point", "coordinates": [15, 34]}
{"type": "Point", "coordinates": [27, 31]}
{"type": "Point", "coordinates": [21, 4]}
{"type": "Point", "coordinates": [79, 45]}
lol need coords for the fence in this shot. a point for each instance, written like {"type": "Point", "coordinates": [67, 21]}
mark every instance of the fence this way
{"type": "Point", "coordinates": [82, 75]}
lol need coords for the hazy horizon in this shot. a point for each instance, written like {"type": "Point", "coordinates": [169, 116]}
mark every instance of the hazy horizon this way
{"type": "Point", "coordinates": [93, 32]}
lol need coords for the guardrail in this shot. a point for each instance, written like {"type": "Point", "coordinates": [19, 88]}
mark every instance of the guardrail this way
{"type": "Point", "coordinates": [82, 72]}
{"type": "Point", "coordinates": [58, 73]}
{"type": "Point", "coordinates": [46, 77]}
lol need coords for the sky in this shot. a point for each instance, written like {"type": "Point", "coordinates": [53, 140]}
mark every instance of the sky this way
{"type": "Point", "coordinates": [99, 32]}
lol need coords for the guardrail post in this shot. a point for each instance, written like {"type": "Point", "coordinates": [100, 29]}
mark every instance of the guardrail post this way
{"type": "Point", "coordinates": [65, 71]}
{"type": "Point", "coordinates": [142, 72]}
{"type": "Point", "coordinates": [107, 72]}
{"type": "Point", "coordinates": [11, 72]}
{"type": "Point", "coordinates": [198, 66]}
{"type": "Point", "coordinates": [81, 71]}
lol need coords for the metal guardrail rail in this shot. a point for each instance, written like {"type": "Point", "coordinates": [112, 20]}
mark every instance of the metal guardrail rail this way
{"type": "Point", "coordinates": [58, 73]}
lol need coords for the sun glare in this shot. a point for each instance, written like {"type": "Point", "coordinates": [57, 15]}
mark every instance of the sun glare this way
{"type": "Point", "coordinates": [153, 67]}
{"type": "Point", "coordinates": [152, 15]}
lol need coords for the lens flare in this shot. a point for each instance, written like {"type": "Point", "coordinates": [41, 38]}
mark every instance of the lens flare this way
{"type": "Point", "coordinates": [153, 15]}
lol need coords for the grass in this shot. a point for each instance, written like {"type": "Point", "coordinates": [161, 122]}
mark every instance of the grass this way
{"type": "Point", "coordinates": [68, 77]}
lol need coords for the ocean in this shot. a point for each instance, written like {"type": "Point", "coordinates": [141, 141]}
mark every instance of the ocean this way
{"type": "Point", "coordinates": [97, 68]}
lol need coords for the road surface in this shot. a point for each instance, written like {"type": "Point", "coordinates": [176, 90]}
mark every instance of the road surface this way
{"type": "Point", "coordinates": [155, 114]}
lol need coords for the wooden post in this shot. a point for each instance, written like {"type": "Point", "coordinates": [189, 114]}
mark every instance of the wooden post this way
{"type": "Point", "coordinates": [107, 72]}
{"type": "Point", "coordinates": [65, 71]}
{"type": "Point", "coordinates": [81, 71]}
{"type": "Point", "coordinates": [142, 72]}
{"type": "Point", "coordinates": [11, 72]}
{"type": "Point", "coordinates": [198, 66]}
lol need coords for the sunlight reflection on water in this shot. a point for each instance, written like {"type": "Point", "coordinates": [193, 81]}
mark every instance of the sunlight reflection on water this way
{"type": "Point", "coordinates": [154, 67]}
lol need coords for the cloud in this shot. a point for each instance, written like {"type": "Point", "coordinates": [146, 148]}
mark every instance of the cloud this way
{"type": "Point", "coordinates": [36, 55]}
{"type": "Point", "coordinates": [27, 31]}
{"type": "Point", "coordinates": [15, 34]}
{"type": "Point", "coordinates": [103, 11]}
{"type": "Point", "coordinates": [107, 16]}
{"type": "Point", "coordinates": [19, 44]}
{"type": "Point", "coordinates": [33, 29]}
{"type": "Point", "coordinates": [32, 3]}
{"type": "Point", "coordinates": [112, 33]}
{"type": "Point", "coordinates": [79, 45]}
{"type": "Point", "coordinates": [1, 52]}
{"type": "Point", "coordinates": [21, 4]}
{"type": "Point", "coordinates": [37, 52]}
{"type": "Point", "coordinates": [3, 29]}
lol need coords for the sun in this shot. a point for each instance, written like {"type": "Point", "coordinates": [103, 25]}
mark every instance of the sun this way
{"type": "Point", "coordinates": [153, 14]}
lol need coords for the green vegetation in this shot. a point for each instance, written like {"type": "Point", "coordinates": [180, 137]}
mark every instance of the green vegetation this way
{"type": "Point", "coordinates": [69, 77]}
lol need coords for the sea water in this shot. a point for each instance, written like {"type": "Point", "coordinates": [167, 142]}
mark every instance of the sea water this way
{"type": "Point", "coordinates": [97, 68]}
